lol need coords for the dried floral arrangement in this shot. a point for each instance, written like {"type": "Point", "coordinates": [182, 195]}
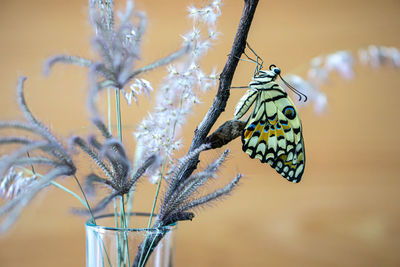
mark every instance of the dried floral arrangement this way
{"type": "Point", "coordinates": [117, 43]}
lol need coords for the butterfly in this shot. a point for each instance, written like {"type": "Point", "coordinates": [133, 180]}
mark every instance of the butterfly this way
{"type": "Point", "coordinates": [273, 132]}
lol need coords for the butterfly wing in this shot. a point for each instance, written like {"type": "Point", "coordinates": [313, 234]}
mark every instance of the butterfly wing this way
{"type": "Point", "coordinates": [291, 163]}
{"type": "Point", "coordinates": [245, 102]}
{"type": "Point", "coordinates": [273, 134]}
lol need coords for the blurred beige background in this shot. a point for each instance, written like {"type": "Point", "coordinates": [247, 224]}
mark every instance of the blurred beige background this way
{"type": "Point", "coordinates": [346, 210]}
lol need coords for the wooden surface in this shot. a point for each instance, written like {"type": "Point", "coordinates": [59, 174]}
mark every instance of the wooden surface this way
{"type": "Point", "coordinates": [345, 212]}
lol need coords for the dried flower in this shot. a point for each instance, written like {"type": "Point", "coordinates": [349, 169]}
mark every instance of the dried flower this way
{"type": "Point", "coordinates": [158, 132]}
{"type": "Point", "coordinates": [15, 183]}
{"type": "Point", "coordinates": [111, 158]}
{"type": "Point", "coordinates": [317, 73]}
{"type": "Point", "coordinates": [342, 62]}
{"type": "Point", "coordinates": [179, 200]}
{"type": "Point", "coordinates": [119, 49]}
{"type": "Point", "coordinates": [19, 190]}
{"type": "Point", "coordinates": [139, 87]}
{"type": "Point", "coordinates": [314, 95]}
{"type": "Point", "coordinates": [379, 55]}
{"type": "Point", "coordinates": [179, 191]}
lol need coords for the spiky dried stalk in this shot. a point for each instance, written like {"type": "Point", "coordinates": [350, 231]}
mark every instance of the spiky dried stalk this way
{"type": "Point", "coordinates": [55, 156]}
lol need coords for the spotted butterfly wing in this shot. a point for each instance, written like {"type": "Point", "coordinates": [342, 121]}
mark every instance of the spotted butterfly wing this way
{"type": "Point", "coordinates": [273, 132]}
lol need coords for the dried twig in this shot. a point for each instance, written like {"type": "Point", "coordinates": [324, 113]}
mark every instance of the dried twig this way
{"type": "Point", "coordinates": [200, 136]}
{"type": "Point", "coordinates": [225, 80]}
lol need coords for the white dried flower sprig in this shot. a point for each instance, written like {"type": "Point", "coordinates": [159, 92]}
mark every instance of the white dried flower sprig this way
{"type": "Point", "coordinates": [341, 62]}
{"type": "Point", "coordinates": [138, 87]}
{"type": "Point", "coordinates": [208, 14]}
{"type": "Point", "coordinates": [377, 56]}
{"type": "Point", "coordinates": [16, 183]}
{"type": "Point", "coordinates": [158, 132]}
{"type": "Point", "coordinates": [311, 90]}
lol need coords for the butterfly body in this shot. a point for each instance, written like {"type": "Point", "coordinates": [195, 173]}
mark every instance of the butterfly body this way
{"type": "Point", "coordinates": [273, 132]}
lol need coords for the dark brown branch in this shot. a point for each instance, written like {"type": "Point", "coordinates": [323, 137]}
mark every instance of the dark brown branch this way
{"type": "Point", "coordinates": [203, 129]}
{"type": "Point", "coordinates": [225, 80]}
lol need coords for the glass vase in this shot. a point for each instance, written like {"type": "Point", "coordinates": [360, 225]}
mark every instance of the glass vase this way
{"type": "Point", "coordinates": [107, 245]}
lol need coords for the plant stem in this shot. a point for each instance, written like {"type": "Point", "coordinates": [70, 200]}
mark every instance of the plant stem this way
{"type": "Point", "coordinates": [155, 199]}
{"type": "Point", "coordinates": [148, 252]}
{"type": "Point", "coordinates": [126, 244]}
{"type": "Point", "coordinates": [116, 212]}
{"type": "Point", "coordinates": [130, 204]}
{"type": "Point", "coordinates": [109, 109]}
{"type": "Point", "coordinates": [118, 106]}
{"type": "Point", "coordinates": [33, 170]}
{"type": "Point", "coordinates": [122, 204]}
{"type": "Point", "coordinates": [84, 202]}
{"type": "Point", "coordinates": [119, 132]}
{"type": "Point", "coordinates": [84, 195]}
{"type": "Point", "coordinates": [70, 192]}
{"type": "Point", "coordinates": [110, 130]}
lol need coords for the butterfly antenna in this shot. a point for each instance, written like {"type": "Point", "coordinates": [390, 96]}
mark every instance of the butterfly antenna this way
{"type": "Point", "coordinates": [297, 92]}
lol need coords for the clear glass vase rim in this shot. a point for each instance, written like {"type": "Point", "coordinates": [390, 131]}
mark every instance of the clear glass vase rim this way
{"type": "Point", "coordinates": [89, 223]}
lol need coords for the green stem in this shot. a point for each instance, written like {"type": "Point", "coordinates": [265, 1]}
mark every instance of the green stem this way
{"type": "Point", "coordinates": [118, 215]}
{"type": "Point", "coordinates": [109, 109]}
{"type": "Point", "coordinates": [69, 192]}
{"type": "Point", "coordinates": [101, 242]}
{"type": "Point", "coordinates": [116, 212]}
{"type": "Point", "coordinates": [29, 156]}
{"type": "Point", "coordinates": [126, 245]}
{"type": "Point", "coordinates": [142, 262]}
{"type": "Point", "coordinates": [154, 202]}
{"type": "Point", "coordinates": [122, 206]}
{"type": "Point", "coordinates": [85, 202]}
{"type": "Point", "coordinates": [117, 99]}
{"type": "Point", "coordinates": [156, 196]}
{"type": "Point", "coordinates": [130, 205]}
{"type": "Point", "coordinates": [84, 195]}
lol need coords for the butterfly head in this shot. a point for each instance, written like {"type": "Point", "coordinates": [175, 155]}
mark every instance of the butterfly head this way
{"type": "Point", "coordinates": [271, 74]}
{"type": "Point", "coordinates": [274, 69]}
